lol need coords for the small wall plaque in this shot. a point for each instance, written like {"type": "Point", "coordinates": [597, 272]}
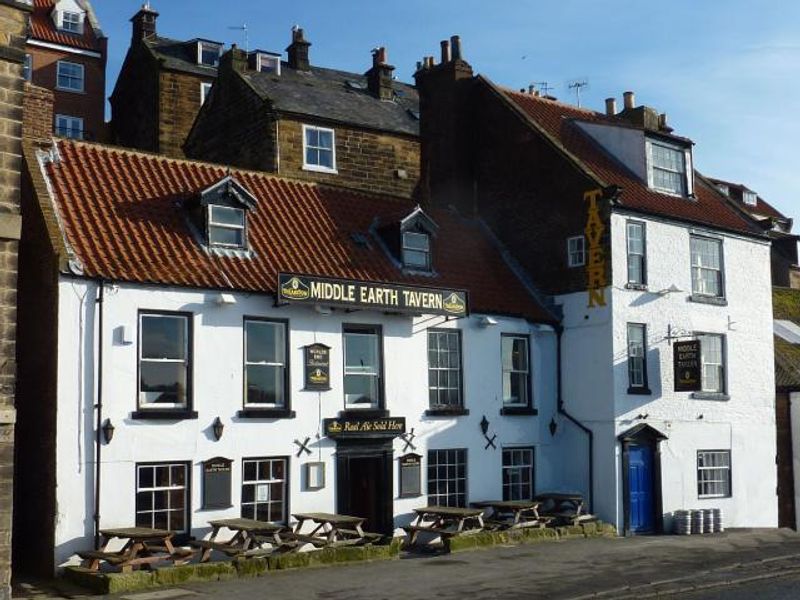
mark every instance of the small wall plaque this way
{"type": "Point", "coordinates": [410, 471]}
{"type": "Point", "coordinates": [318, 367]}
{"type": "Point", "coordinates": [315, 475]}
{"type": "Point", "coordinates": [217, 483]}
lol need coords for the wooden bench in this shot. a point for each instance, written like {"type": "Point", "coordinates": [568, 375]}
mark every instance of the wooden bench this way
{"type": "Point", "coordinates": [98, 555]}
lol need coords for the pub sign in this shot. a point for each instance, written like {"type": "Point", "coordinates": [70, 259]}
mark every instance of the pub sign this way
{"type": "Point", "coordinates": [686, 360]}
{"type": "Point", "coordinates": [351, 427]}
{"type": "Point", "coordinates": [305, 289]}
{"type": "Point", "coordinates": [318, 367]}
{"type": "Point", "coordinates": [217, 482]}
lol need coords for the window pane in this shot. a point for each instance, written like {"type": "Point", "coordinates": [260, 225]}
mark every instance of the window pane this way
{"type": "Point", "coordinates": [312, 137]}
{"type": "Point", "coordinates": [361, 352]}
{"type": "Point", "coordinates": [265, 342]}
{"type": "Point", "coordinates": [416, 241]}
{"type": "Point", "coordinates": [223, 215]}
{"type": "Point", "coordinates": [264, 384]}
{"type": "Point", "coordinates": [163, 337]}
{"type": "Point", "coordinates": [415, 258]}
{"type": "Point", "coordinates": [162, 382]}
{"type": "Point", "coordinates": [326, 139]}
{"type": "Point", "coordinates": [326, 159]}
{"type": "Point", "coordinates": [361, 389]}
{"type": "Point", "coordinates": [226, 236]}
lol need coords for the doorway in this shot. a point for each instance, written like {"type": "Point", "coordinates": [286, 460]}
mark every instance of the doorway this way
{"type": "Point", "coordinates": [641, 480]}
{"type": "Point", "coordinates": [364, 485]}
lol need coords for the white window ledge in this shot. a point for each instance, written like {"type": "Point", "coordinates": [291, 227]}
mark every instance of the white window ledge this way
{"type": "Point", "coordinates": [318, 169]}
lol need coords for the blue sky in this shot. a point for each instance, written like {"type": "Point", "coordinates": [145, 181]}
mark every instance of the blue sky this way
{"type": "Point", "coordinates": [727, 73]}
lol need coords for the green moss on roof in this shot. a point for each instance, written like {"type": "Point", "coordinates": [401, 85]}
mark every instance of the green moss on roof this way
{"type": "Point", "coordinates": [787, 364]}
{"type": "Point", "coordinates": [786, 303]}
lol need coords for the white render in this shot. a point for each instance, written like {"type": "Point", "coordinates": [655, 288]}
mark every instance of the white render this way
{"type": "Point", "coordinates": [594, 358]}
{"type": "Point", "coordinates": [217, 391]}
{"type": "Point", "coordinates": [794, 416]}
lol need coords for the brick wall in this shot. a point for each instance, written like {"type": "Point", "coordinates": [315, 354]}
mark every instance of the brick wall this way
{"type": "Point", "coordinates": [37, 113]}
{"type": "Point", "coordinates": [179, 103]}
{"type": "Point", "coordinates": [89, 104]}
{"type": "Point", "coordinates": [13, 21]}
{"type": "Point", "coordinates": [370, 161]}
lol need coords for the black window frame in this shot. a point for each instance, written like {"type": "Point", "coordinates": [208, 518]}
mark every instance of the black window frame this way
{"type": "Point", "coordinates": [643, 256]}
{"type": "Point", "coordinates": [644, 387]}
{"type": "Point", "coordinates": [429, 480]}
{"type": "Point", "coordinates": [532, 466]}
{"type": "Point", "coordinates": [730, 474]}
{"type": "Point", "coordinates": [376, 330]}
{"type": "Point", "coordinates": [182, 536]}
{"type": "Point", "coordinates": [255, 411]}
{"type": "Point", "coordinates": [446, 409]}
{"type": "Point", "coordinates": [518, 409]}
{"type": "Point", "coordinates": [286, 484]}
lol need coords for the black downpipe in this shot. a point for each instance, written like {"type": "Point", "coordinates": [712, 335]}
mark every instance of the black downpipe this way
{"type": "Point", "coordinates": [562, 411]}
{"type": "Point", "coordinates": [99, 410]}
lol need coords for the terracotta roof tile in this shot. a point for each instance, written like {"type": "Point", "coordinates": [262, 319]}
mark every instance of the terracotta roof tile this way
{"type": "Point", "coordinates": [42, 28]}
{"type": "Point", "coordinates": [124, 218]}
{"type": "Point", "coordinates": [557, 119]}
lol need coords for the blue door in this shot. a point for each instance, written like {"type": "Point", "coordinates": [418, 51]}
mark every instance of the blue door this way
{"type": "Point", "coordinates": [640, 488]}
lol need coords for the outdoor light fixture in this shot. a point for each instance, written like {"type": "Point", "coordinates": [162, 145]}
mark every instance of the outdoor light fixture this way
{"type": "Point", "coordinates": [672, 289]}
{"type": "Point", "coordinates": [487, 321]}
{"type": "Point", "coordinates": [108, 431]}
{"type": "Point", "coordinates": [218, 428]}
{"type": "Point", "coordinates": [553, 426]}
{"type": "Point", "coordinates": [484, 425]}
{"type": "Point", "coordinates": [223, 299]}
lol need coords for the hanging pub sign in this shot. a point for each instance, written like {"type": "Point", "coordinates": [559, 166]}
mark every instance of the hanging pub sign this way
{"type": "Point", "coordinates": [318, 367]}
{"type": "Point", "coordinates": [347, 427]}
{"type": "Point", "coordinates": [686, 360]}
{"type": "Point", "coordinates": [305, 289]}
{"type": "Point", "coordinates": [217, 483]}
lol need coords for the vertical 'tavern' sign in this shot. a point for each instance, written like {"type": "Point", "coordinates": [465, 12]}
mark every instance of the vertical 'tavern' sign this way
{"type": "Point", "coordinates": [595, 259]}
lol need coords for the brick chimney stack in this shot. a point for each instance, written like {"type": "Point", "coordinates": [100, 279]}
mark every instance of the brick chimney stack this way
{"type": "Point", "coordinates": [234, 59]}
{"type": "Point", "coordinates": [144, 23]}
{"type": "Point", "coordinates": [298, 51]}
{"type": "Point", "coordinates": [379, 77]}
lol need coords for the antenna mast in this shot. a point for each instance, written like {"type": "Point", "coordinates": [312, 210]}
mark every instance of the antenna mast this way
{"type": "Point", "coordinates": [243, 27]}
{"type": "Point", "coordinates": [543, 87]}
{"type": "Point", "coordinates": [578, 85]}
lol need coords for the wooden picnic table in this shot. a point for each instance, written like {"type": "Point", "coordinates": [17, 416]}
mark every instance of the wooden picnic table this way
{"type": "Point", "coordinates": [513, 514]}
{"type": "Point", "coordinates": [248, 536]}
{"type": "Point", "coordinates": [331, 530]}
{"type": "Point", "coordinates": [566, 507]}
{"type": "Point", "coordinates": [143, 546]}
{"type": "Point", "coordinates": [444, 521]}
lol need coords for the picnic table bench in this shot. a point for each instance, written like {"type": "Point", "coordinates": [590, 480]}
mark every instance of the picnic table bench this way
{"type": "Point", "coordinates": [563, 507]}
{"type": "Point", "coordinates": [512, 514]}
{"type": "Point", "coordinates": [143, 547]}
{"type": "Point", "coordinates": [331, 530]}
{"type": "Point", "coordinates": [249, 535]}
{"type": "Point", "coordinates": [444, 522]}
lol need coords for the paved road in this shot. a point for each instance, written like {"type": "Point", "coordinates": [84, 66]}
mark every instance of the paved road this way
{"type": "Point", "coordinates": [781, 588]}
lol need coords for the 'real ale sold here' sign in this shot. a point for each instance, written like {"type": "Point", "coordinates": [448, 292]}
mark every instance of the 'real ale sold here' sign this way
{"type": "Point", "coordinates": [687, 365]}
{"type": "Point", "coordinates": [306, 289]}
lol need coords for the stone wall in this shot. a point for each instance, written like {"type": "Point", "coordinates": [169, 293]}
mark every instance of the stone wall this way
{"type": "Point", "coordinates": [37, 113]}
{"type": "Point", "coordinates": [179, 103]}
{"type": "Point", "coordinates": [13, 22]}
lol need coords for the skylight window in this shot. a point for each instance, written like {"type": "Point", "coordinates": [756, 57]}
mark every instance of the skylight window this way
{"type": "Point", "coordinates": [226, 226]}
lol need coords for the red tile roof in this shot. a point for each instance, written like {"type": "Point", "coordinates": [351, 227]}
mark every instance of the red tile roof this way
{"type": "Point", "coordinates": [123, 217]}
{"type": "Point", "coordinates": [557, 119]}
{"type": "Point", "coordinates": [44, 29]}
{"type": "Point", "coordinates": [762, 208]}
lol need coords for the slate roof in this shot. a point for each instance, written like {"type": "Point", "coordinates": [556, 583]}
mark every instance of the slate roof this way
{"type": "Point", "coordinates": [43, 29]}
{"type": "Point", "coordinates": [338, 96]}
{"type": "Point", "coordinates": [556, 120]}
{"type": "Point", "coordinates": [179, 55]}
{"type": "Point", "coordinates": [123, 217]}
{"type": "Point", "coordinates": [786, 306]}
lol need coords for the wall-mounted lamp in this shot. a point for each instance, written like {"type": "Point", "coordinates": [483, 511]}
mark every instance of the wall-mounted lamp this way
{"type": "Point", "coordinates": [553, 426]}
{"type": "Point", "coordinates": [223, 299]}
{"type": "Point", "coordinates": [323, 310]}
{"type": "Point", "coordinates": [672, 289]}
{"type": "Point", "coordinates": [108, 431]}
{"type": "Point", "coordinates": [486, 321]}
{"type": "Point", "coordinates": [218, 428]}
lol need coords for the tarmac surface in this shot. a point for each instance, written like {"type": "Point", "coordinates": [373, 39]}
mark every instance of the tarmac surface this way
{"type": "Point", "coordinates": [732, 565]}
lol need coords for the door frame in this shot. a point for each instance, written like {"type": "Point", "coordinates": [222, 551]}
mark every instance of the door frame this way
{"type": "Point", "coordinates": [360, 448]}
{"type": "Point", "coordinates": [647, 436]}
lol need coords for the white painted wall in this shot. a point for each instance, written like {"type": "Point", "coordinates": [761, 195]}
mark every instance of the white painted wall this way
{"type": "Point", "coordinates": [218, 339]}
{"type": "Point", "coordinates": [794, 407]}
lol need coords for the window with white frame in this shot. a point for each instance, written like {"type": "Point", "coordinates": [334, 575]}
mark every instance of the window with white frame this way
{"type": "Point", "coordinates": [416, 250]}
{"type": "Point", "coordinates": [362, 367]}
{"type": "Point", "coordinates": [226, 226]}
{"type": "Point", "coordinates": [162, 496]}
{"type": "Point", "coordinates": [516, 370]}
{"type": "Point", "coordinates": [637, 356]}
{"type": "Point", "coordinates": [713, 473]}
{"type": "Point", "coordinates": [268, 63]}
{"type": "Point", "coordinates": [667, 167]}
{"type": "Point", "coordinates": [637, 273]}
{"type": "Point", "coordinates": [205, 89]}
{"type": "Point", "coordinates": [71, 21]}
{"type": "Point", "coordinates": [69, 76]}
{"type": "Point", "coordinates": [724, 189]}
{"type": "Point", "coordinates": [164, 361]}
{"type": "Point", "coordinates": [264, 494]}
{"type": "Point", "coordinates": [319, 149]}
{"type": "Point", "coordinates": [712, 360]}
{"type": "Point", "coordinates": [265, 372]}
{"type": "Point", "coordinates": [447, 477]}
{"type": "Point", "coordinates": [750, 198]}
{"type": "Point", "coordinates": [706, 266]}
{"type": "Point", "coordinates": [27, 67]}
{"type": "Point", "coordinates": [444, 368]}
{"type": "Point", "coordinates": [576, 251]}
{"type": "Point", "coordinates": [69, 127]}
{"type": "Point", "coordinates": [518, 473]}
{"type": "Point", "coordinates": [208, 53]}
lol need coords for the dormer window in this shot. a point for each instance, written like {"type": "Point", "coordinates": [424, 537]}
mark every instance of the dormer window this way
{"type": "Point", "coordinates": [226, 226]}
{"type": "Point", "coordinates": [416, 250]}
{"type": "Point", "coordinates": [72, 22]}
{"type": "Point", "coordinates": [268, 63]}
{"type": "Point", "coordinates": [208, 53]}
{"type": "Point", "coordinates": [749, 198]}
{"type": "Point", "coordinates": [667, 169]}
{"type": "Point", "coordinates": [724, 189]}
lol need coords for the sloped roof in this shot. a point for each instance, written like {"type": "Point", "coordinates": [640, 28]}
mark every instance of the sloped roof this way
{"type": "Point", "coordinates": [762, 207]}
{"type": "Point", "coordinates": [786, 307]}
{"type": "Point", "coordinates": [179, 55]}
{"type": "Point", "coordinates": [338, 96]}
{"type": "Point", "coordinates": [43, 29]}
{"type": "Point", "coordinates": [123, 216]}
{"type": "Point", "coordinates": [557, 121]}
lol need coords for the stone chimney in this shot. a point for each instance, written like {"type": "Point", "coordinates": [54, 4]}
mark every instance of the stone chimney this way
{"type": "Point", "coordinates": [643, 116]}
{"type": "Point", "coordinates": [234, 59]}
{"type": "Point", "coordinates": [298, 51]}
{"type": "Point", "coordinates": [628, 100]}
{"type": "Point", "coordinates": [611, 106]}
{"type": "Point", "coordinates": [379, 77]}
{"type": "Point", "coordinates": [144, 23]}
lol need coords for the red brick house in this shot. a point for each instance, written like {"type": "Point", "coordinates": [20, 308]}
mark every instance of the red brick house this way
{"type": "Point", "coordinates": [66, 53]}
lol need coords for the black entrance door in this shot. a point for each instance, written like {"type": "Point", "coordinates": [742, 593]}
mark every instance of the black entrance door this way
{"type": "Point", "coordinates": [364, 485]}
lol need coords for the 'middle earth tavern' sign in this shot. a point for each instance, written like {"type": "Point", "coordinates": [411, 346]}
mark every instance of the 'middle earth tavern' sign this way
{"type": "Point", "coordinates": [365, 294]}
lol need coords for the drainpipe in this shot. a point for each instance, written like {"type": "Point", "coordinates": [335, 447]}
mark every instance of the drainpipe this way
{"type": "Point", "coordinates": [99, 411]}
{"type": "Point", "coordinates": [563, 411]}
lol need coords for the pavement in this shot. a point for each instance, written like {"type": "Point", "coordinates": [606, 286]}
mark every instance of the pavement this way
{"type": "Point", "coordinates": [762, 563]}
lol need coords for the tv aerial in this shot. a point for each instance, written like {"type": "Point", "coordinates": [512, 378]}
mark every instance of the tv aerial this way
{"type": "Point", "coordinates": [243, 28]}
{"type": "Point", "coordinates": [577, 85]}
{"type": "Point", "coordinates": [543, 87]}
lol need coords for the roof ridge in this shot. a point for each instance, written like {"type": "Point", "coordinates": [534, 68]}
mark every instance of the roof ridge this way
{"type": "Point", "coordinates": [551, 101]}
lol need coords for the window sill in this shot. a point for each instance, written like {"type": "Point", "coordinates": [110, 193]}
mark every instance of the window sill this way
{"type": "Point", "coordinates": [164, 415]}
{"type": "Point", "coordinates": [445, 411]}
{"type": "Point", "coordinates": [518, 410]}
{"type": "Point", "coordinates": [715, 300]}
{"type": "Point", "coordinates": [316, 169]}
{"type": "Point", "coordinates": [640, 287]}
{"type": "Point", "coordinates": [266, 413]}
{"type": "Point", "coordinates": [639, 391]}
{"type": "Point", "coordinates": [367, 413]}
{"type": "Point", "coordinates": [70, 90]}
{"type": "Point", "coordinates": [719, 396]}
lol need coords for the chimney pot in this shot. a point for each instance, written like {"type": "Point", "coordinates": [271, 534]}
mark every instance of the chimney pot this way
{"type": "Point", "coordinates": [455, 46]}
{"type": "Point", "coordinates": [629, 100]}
{"type": "Point", "coordinates": [662, 121]}
{"type": "Point", "coordinates": [611, 106]}
{"type": "Point", "coordinates": [445, 51]}
{"type": "Point", "coordinates": [379, 77]}
{"type": "Point", "coordinates": [379, 56]}
{"type": "Point", "coordinates": [144, 23]}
